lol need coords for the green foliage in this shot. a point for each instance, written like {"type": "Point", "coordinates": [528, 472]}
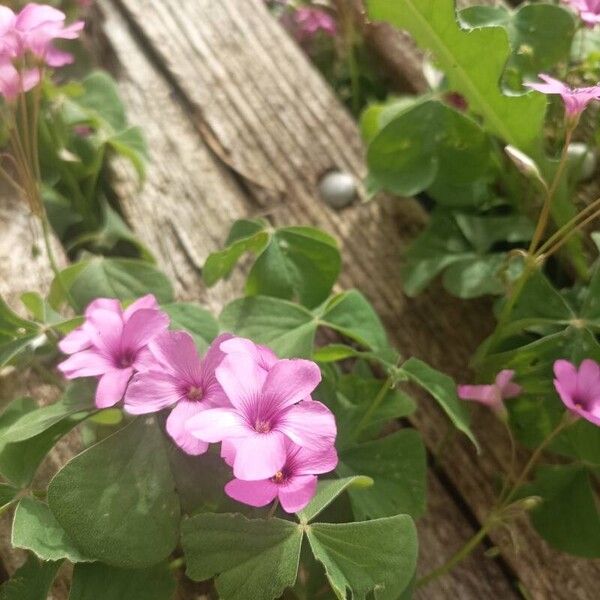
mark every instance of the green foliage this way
{"type": "Point", "coordinates": [443, 389]}
{"type": "Point", "coordinates": [568, 516]}
{"type": "Point", "coordinates": [7, 495]}
{"type": "Point", "coordinates": [425, 142]}
{"type": "Point", "coordinates": [196, 320]}
{"type": "Point", "coordinates": [517, 120]}
{"type": "Point", "coordinates": [16, 333]}
{"type": "Point", "coordinates": [36, 529]}
{"type": "Point", "coordinates": [117, 501]}
{"type": "Point", "coordinates": [462, 247]}
{"type": "Point", "coordinates": [30, 582]}
{"type": "Point", "coordinates": [99, 277]}
{"type": "Point", "coordinates": [94, 581]}
{"type": "Point", "coordinates": [291, 262]}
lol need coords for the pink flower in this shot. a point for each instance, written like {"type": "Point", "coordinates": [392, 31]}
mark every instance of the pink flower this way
{"type": "Point", "coordinates": [312, 20]}
{"type": "Point", "coordinates": [179, 379]}
{"type": "Point", "coordinates": [13, 83]}
{"type": "Point", "coordinates": [588, 10]}
{"type": "Point", "coordinates": [579, 389]}
{"type": "Point", "coordinates": [575, 99]}
{"type": "Point", "coordinates": [267, 409]}
{"type": "Point", "coordinates": [294, 484]}
{"type": "Point", "coordinates": [263, 356]}
{"type": "Point", "coordinates": [112, 344]}
{"type": "Point", "coordinates": [492, 395]}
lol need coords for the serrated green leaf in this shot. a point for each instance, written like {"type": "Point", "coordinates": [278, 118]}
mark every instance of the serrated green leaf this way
{"type": "Point", "coordinates": [116, 500]}
{"type": "Point", "coordinates": [517, 120]}
{"type": "Point", "coordinates": [36, 529]}
{"type": "Point", "coordinates": [95, 581]}
{"type": "Point", "coordinates": [197, 321]}
{"type": "Point", "coordinates": [327, 491]}
{"type": "Point", "coordinates": [397, 464]}
{"type": "Point", "coordinates": [443, 389]}
{"type": "Point", "coordinates": [376, 556]}
{"type": "Point", "coordinates": [255, 559]}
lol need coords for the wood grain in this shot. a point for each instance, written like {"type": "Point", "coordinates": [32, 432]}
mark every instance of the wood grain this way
{"type": "Point", "coordinates": [276, 126]}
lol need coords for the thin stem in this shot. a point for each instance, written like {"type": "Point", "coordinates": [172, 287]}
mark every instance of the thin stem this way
{"type": "Point", "coordinates": [545, 213]}
{"type": "Point", "coordinates": [385, 388]}
{"type": "Point", "coordinates": [566, 238]}
{"type": "Point", "coordinates": [273, 508]}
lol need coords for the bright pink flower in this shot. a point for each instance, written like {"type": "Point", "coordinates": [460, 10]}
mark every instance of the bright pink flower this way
{"type": "Point", "coordinates": [12, 83]}
{"type": "Point", "coordinates": [492, 395]}
{"type": "Point", "coordinates": [575, 99]}
{"type": "Point", "coordinates": [310, 20]}
{"type": "Point", "coordinates": [588, 10]}
{"type": "Point", "coordinates": [579, 389]}
{"type": "Point", "coordinates": [181, 380]}
{"type": "Point", "coordinates": [266, 409]}
{"type": "Point", "coordinates": [265, 357]}
{"type": "Point", "coordinates": [294, 484]}
{"type": "Point", "coordinates": [112, 344]}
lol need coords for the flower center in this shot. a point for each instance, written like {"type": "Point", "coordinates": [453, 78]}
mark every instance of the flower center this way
{"type": "Point", "coordinates": [126, 359]}
{"type": "Point", "coordinates": [279, 477]}
{"type": "Point", "coordinates": [194, 393]}
{"type": "Point", "coordinates": [262, 426]}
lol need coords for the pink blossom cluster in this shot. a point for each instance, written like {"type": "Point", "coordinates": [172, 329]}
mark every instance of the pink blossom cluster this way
{"type": "Point", "coordinates": [588, 11]}
{"type": "Point", "coordinates": [309, 21]}
{"type": "Point", "coordinates": [27, 42]}
{"type": "Point", "coordinates": [273, 434]}
{"type": "Point", "coordinates": [578, 388]}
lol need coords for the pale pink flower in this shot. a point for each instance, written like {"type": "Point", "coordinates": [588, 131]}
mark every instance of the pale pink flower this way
{"type": "Point", "coordinates": [180, 380]}
{"type": "Point", "coordinates": [575, 99]}
{"type": "Point", "coordinates": [311, 20]}
{"type": "Point", "coordinates": [492, 395]}
{"type": "Point", "coordinates": [112, 345]}
{"type": "Point", "coordinates": [13, 83]}
{"type": "Point", "coordinates": [588, 11]}
{"type": "Point", "coordinates": [8, 39]}
{"type": "Point", "coordinates": [263, 356]}
{"type": "Point", "coordinates": [294, 484]}
{"type": "Point", "coordinates": [266, 409]}
{"type": "Point", "coordinates": [579, 389]}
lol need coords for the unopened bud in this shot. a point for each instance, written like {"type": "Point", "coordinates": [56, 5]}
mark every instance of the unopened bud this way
{"type": "Point", "coordinates": [524, 163]}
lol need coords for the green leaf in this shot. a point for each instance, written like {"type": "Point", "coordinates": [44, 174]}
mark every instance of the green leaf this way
{"type": "Point", "coordinates": [131, 144]}
{"type": "Point", "coordinates": [475, 73]}
{"type": "Point", "coordinates": [196, 320]}
{"type": "Point", "coordinates": [291, 262]}
{"type": "Point", "coordinates": [11, 322]}
{"type": "Point", "coordinates": [397, 464]}
{"type": "Point", "coordinates": [95, 581]}
{"type": "Point", "coordinates": [443, 389]}
{"type": "Point", "coordinates": [16, 333]}
{"type": "Point", "coordinates": [36, 529]}
{"type": "Point", "coordinates": [255, 559]}
{"type": "Point", "coordinates": [426, 141]}
{"type": "Point", "coordinates": [376, 556]}
{"type": "Point", "coordinates": [32, 581]}
{"type": "Point", "coordinates": [289, 329]}
{"type": "Point", "coordinates": [7, 495]}
{"type": "Point", "coordinates": [78, 398]}
{"type": "Point", "coordinates": [568, 518]}
{"type": "Point", "coordinates": [117, 501]}
{"type": "Point", "coordinates": [19, 460]}
{"type": "Point", "coordinates": [122, 278]}
{"type": "Point", "coordinates": [327, 491]}
{"type": "Point", "coordinates": [11, 349]}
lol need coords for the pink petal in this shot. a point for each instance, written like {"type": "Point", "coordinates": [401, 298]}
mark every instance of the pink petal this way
{"type": "Point", "coordinates": [75, 341]}
{"type": "Point", "coordinates": [588, 380]}
{"type": "Point", "coordinates": [111, 387]}
{"type": "Point", "coordinates": [87, 363]}
{"type": "Point", "coordinates": [311, 462]}
{"type": "Point", "coordinates": [507, 387]}
{"type": "Point", "coordinates": [228, 451]}
{"type": "Point", "coordinates": [566, 374]}
{"type": "Point", "coordinates": [147, 301]}
{"type": "Point", "coordinates": [489, 395]}
{"type": "Point", "coordinates": [217, 424]}
{"type": "Point", "coordinates": [176, 352]}
{"type": "Point", "coordinates": [253, 493]}
{"type": "Point", "coordinates": [259, 456]}
{"type": "Point", "coordinates": [290, 381]}
{"type": "Point", "coordinates": [57, 58]}
{"type": "Point", "coordinates": [242, 380]}
{"type": "Point", "coordinates": [34, 15]}
{"type": "Point", "coordinates": [309, 424]}
{"type": "Point", "coordinates": [110, 304]}
{"type": "Point", "coordinates": [264, 356]}
{"type": "Point", "coordinates": [176, 427]}
{"type": "Point", "coordinates": [145, 361]}
{"type": "Point", "coordinates": [214, 355]}
{"type": "Point", "coordinates": [152, 391]}
{"type": "Point", "coordinates": [296, 493]}
{"type": "Point", "coordinates": [142, 326]}
{"type": "Point", "coordinates": [105, 329]}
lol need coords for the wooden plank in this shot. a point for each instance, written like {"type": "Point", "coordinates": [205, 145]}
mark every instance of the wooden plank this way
{"type": "Point", "coordinates": [190, 200]}
{"type": "Point", "coordinates": [278, 128]}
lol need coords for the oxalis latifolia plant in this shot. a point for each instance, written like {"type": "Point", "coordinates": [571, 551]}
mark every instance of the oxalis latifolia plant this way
{"type": "Point", "coordinates": [235, 449]}
{"type": "Point", "coordinates": [502, 146]}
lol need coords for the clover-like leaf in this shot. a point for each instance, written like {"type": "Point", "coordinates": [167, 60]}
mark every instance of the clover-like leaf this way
{"type": "Point", "coordinates": [197, 321]}
{"type": "Point", "coordinates": [32, 581]}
